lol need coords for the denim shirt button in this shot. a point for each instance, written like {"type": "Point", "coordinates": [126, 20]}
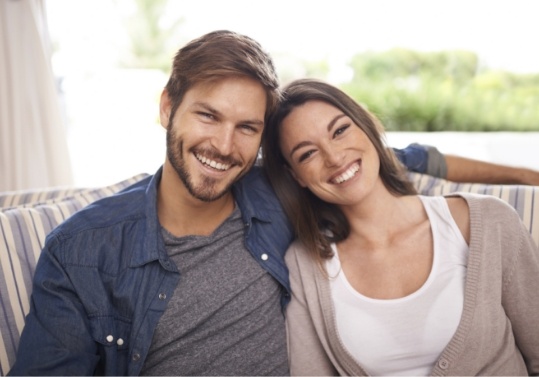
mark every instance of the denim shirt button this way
{"type": "Point", "coordinates": [162, 296]}
{"type": "Point", "coordinates": [120, 342]}
{"type": "Point", "coordinates": [110, 338]}
{"type": "Point", "coordinates": [136, 356]}
{"type": "Point", "coordinates": [264, 257]}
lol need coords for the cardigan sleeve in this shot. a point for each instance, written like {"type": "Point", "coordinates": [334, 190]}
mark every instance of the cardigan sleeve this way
{"type": "Point", "coordinates": [520, 295]}
{"type": "Point", "coordinates": [306, 354]}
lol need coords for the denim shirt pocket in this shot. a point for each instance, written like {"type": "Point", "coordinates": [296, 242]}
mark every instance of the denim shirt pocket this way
{"type": "Point", "coordinates": [112, 335]}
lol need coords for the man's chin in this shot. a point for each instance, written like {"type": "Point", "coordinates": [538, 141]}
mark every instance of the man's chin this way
{"type": "Point", "coordinates": [209, 197]}
{"type": "Point", "coordinates": [209, 190]}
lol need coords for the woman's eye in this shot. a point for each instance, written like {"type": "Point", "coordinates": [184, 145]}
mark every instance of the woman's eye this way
{"type": "Point", "coordinates": [340, 130]}
{"type": "Point", "coordinates": [305, 155]}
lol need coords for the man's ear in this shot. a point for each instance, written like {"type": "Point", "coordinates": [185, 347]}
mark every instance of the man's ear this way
{"type": "Point", "coordinates": [294, 175]}
{"type": "Point", "coordinates": [165, 107]}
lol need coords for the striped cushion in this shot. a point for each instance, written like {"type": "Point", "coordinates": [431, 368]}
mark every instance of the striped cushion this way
{"type": "Point", "coordinates": [11, 199]}
{"type": "Point", "coordinates": [525, 199]}
{"type": "Point", "coordinates": [24, 223]}
{"type": "Point", "coordinates": [30, 216]}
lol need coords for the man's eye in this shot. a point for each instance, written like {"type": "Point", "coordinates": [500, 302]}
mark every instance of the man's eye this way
{"type": "Point", "coordinates": [340, 130]}
{"type": "Point", "coordinates": [249, 128]}
{"type": "Point", "coordinates": [206, 115]}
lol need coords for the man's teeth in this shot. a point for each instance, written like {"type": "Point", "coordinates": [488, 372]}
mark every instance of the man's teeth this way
{"type": "Point", "coordinates": [213, 164]}
{"type": "Point", "coordinates": [347, 174]}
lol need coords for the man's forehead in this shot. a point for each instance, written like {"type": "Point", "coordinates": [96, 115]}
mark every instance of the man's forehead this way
{"type": "Point", "coordinates": [236, 95]}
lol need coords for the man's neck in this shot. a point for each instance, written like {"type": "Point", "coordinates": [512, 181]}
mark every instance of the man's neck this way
{"type": "Point", "coordinates": [182, 214]}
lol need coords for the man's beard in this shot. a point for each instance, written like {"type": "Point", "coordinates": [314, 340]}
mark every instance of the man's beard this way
{"type": "Point", "coordinates": [207, 189]}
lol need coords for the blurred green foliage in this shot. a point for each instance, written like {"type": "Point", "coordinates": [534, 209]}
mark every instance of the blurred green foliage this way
{"type": "Point", "coordinates": [443, 91]}
{"type": "Point", "coordinates": [408, 90]}
{"type": "Point", "coordinates": [152, 37]}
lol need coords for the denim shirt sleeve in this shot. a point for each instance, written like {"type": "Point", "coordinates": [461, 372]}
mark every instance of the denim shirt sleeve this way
{"type": "Point", "coordinates": [424, 159]}
{"type": "Point", "coordinates": [70, 351]}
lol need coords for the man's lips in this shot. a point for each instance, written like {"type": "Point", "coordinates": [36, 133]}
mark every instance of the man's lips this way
{"type": "Point", "coordinates": [212, 163]}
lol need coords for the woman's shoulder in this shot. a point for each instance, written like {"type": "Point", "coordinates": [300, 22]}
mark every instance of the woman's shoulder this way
{"type": "Point", "coordinates": [296, 251]}
{"type": "Point", "coordinates": [486, 211]}
{"type": "Point", "coordinates": [487, 204]}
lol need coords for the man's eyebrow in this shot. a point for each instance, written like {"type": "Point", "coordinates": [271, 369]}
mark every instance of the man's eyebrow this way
{"type": "Point", "coordinates": [207, 107]}
{"type": "Point", "coordinates": [330, 126]}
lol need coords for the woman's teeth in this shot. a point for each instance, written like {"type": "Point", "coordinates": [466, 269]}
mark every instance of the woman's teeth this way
{"type": "Point", "coordinates": [347, 174]}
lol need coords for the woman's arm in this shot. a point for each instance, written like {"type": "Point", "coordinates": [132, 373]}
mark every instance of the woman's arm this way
{"type": "Point", "coordinates": [520, 297]}
{"type": "Point", "coordinates": [306, 354]}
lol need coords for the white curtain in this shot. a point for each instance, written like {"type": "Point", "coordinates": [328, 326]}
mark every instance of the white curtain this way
{"type": "Point", "coordinates": [33, 140]}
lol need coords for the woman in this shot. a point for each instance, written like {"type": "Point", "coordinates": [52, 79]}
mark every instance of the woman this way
{"type": "Point", "coordinates": [384, 281]}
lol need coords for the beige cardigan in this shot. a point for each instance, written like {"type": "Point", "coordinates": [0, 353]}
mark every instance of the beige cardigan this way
{"type": "Point", "coordinates": [498, 333]}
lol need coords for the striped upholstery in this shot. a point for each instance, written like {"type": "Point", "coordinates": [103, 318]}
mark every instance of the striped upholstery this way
{"type": "Point", "coordinates": [28, 217]}
{"type": "Point", "coordinates": [10, 199]}
{"type": "Point", "coordinates": [525, 199]}
{"type": "Point", "coordinates": [25, 220]}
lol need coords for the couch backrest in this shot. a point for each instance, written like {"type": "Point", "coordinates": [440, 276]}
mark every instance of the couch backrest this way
{"type": "Point", "coordinates": [29, 216]}
{"type": "Point", "coordinates": [25, 220]}
{"type": "Point", "coordinates": [524, 199]}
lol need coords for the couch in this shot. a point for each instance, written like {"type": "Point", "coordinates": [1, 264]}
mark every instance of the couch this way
{"type": "Point", "coordinates": [27, 217]}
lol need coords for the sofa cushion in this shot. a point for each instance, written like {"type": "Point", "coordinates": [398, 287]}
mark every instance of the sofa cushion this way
{"type": "Point", "coordinates": [24, 223]}
{"type": "Point", "coordinates": [30, 216]}
{"type": "Point", "coordinates": [525, 199]}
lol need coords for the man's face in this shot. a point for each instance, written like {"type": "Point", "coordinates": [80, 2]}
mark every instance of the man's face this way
{"type": "Point", "coordinates": [214, 136]}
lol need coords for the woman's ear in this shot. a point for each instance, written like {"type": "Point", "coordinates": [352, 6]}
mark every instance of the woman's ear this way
{"type": "Point", "coordinates": [295, 176]}
{"type": "Point", "coordinates": [164, 109]}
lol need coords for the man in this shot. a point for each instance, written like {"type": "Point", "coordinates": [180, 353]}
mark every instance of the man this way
{"type": "Point", "coordinates": [182, 273]}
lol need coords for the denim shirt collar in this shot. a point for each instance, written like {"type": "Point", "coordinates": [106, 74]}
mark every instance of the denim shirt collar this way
{"type": "Point", "coordinates": [153, 245]}
{"type": "Point", "coordinates": [251, 194]}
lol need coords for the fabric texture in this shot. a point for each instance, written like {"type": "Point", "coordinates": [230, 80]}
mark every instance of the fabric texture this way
{"type": "Point", "coordinates": [425, 159]}
{"type": "Point", "coordinates": [233, 304]}
{"type": "Point", "coordinates": [30, 215]}
{"type": "Point", "coordinates": [24, 224]}
{"type": "Point", "coordinates": [105, 279]}
{"type": "Point", "coordinates": [501, 303]}
{"type": "Point", "coordinates": [524, 199]}
{"type": "Point", "coordinates": [396, 328]}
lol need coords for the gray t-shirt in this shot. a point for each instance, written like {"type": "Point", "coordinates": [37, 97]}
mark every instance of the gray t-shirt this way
{"type": "Point", "coordinates": [225, 316]}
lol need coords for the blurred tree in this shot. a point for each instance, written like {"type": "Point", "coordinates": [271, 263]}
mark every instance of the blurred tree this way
{"type": "Point", "coordinates": [152, 41]}
{"type": "Point", "coordinates": [442, 91]}
{"type": "Point", "coordinates": [458, 65]}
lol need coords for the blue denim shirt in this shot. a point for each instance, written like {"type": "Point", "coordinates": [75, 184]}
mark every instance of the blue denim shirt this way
{"type": "Point", "coordinates": [104, 279]}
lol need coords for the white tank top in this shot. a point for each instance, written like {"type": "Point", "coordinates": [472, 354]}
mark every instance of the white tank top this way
{"type": "Point", "coordinates": [406, 336]}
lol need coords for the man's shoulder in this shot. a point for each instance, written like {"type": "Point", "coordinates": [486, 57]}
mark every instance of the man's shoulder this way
{"type": "Point", "coordinates": [124, 206]}
{"type": "Point", "coordinates": [255, 192]}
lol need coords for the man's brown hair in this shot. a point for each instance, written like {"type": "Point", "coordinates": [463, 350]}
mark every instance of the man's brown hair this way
{"type": "Point", "coordinates": [217, 55]}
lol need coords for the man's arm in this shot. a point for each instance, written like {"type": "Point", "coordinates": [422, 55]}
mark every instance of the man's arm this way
{"type": "Point", "coordinates": [427, 159]}
{"type": "Point", "coordinates": [461, 169]}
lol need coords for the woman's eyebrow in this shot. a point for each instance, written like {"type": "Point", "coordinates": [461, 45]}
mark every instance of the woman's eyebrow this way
{"type": "Point", "coordinates": [331, 124]}
{"type": "Point", "coordinates": [334, 120]}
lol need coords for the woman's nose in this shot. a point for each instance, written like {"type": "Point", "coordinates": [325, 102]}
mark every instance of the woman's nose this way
{"type": "Point", "coordinates": [333, 157]}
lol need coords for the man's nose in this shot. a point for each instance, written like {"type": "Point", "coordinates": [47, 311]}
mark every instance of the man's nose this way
{"type": "Point", "coordinates": [223, 139]}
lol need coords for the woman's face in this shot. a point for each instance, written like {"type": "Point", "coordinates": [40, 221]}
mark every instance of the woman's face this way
{"type": "Point", "coordinates": [329, 154]}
